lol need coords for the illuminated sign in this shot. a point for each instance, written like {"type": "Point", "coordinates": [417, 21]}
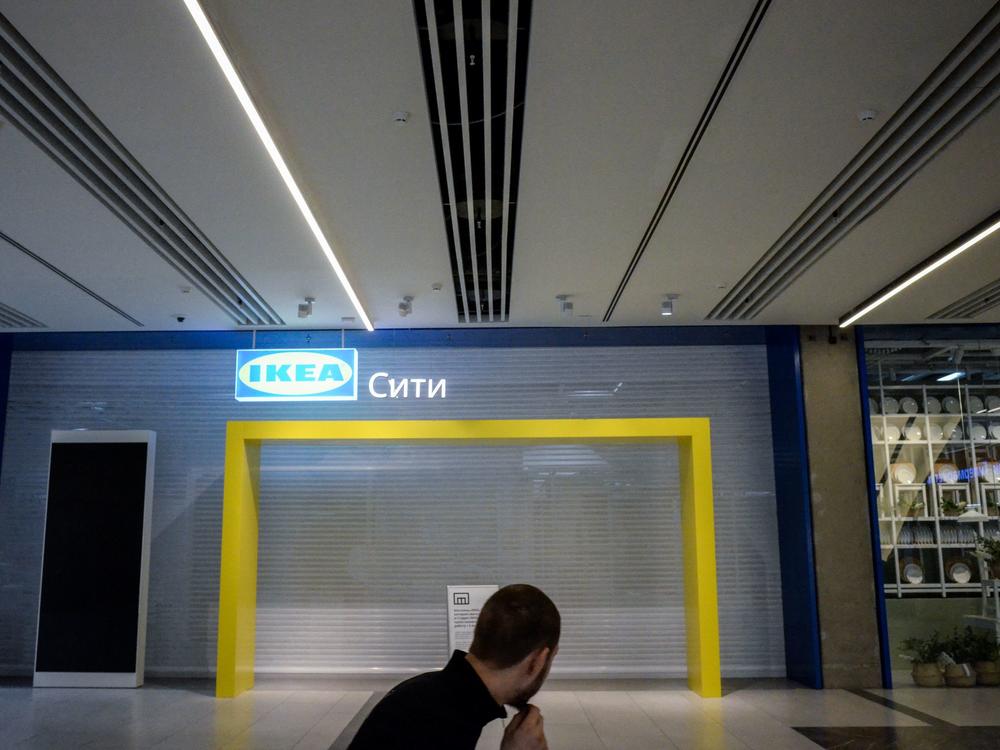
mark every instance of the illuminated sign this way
{"type": "Point", "coordinates": [296, 375]}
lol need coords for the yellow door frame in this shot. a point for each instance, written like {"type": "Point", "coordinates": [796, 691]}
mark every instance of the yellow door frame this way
{"type": "Point", "coordinates": [240, 505]}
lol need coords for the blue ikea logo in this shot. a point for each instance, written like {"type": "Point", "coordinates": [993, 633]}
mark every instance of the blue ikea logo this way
{"type": "Point", "coordinates": [296, 375]}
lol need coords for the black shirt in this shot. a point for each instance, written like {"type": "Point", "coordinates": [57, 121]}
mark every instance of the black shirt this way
{"type": "Point", "coordinates": [444, 710]}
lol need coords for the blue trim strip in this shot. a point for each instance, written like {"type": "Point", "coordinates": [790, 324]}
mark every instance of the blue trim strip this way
{"type": "Point", "coordinates": [6, 342]}
{"type": "Point", "coordinates": [396, 338]}
{"type": "Point", "coordinates": [876, 537]}
{"type": "Point", "coordinates": [799, 598]}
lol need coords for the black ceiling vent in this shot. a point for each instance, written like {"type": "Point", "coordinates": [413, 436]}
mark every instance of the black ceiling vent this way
{"type": "Point", "coordinates": [475, 56]}
{"type": "Point", "coordinates": [42, 106]}
{"type": "Point", "coordinates": [972, 305]}
{"type": "Point", "coordinates": [962, 88]}
{"type": "Point", "coordinates": [11, 318]}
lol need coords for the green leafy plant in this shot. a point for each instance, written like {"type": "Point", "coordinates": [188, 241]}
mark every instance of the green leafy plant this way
{"type": "Point", "coordinates": [925, 650]}
{"type": "Point", "coordinates": [980, 645]}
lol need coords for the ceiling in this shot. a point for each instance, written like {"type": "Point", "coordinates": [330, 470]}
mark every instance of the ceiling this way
{"type": "Point", "coordinates": [614, 92]}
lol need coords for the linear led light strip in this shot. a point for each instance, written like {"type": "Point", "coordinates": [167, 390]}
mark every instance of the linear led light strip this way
{"type": "Point", "coordinates": [205, 26]}
{"type": "Point", "coordinates": [978, 234]}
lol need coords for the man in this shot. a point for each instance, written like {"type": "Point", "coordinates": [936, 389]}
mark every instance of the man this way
{"type": "Point", "coordinates": [515, 640]}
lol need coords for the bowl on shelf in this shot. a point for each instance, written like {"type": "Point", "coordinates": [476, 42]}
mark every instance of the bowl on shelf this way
{"type": "Point", "coordinates": [872, 406]}
{"type": "Point", "coordinates": [914, 432]}
{"type": "Point", "coordinates": [952, 405]}
{"type": "Point", "coordinates": [976, 405]}
{"type": "Point", "coordinates": [935, 432]}
{"type": "Point", "coordinates": [909, 405]}
{"type": "Point", "coordinates": [978, 432]}
{"type": "Point", "coordinates": [956, 433]}
{"type": "Point", "coordinates": [893, 433]}
{"type": "Point", "coordinates": [994, 430]}
{"type": "Point", "coordinates": [890, 405]}
{"type": "Point", "coordinates": [932, 405]}
{"type": "Point", "coordinates": [993, 403]}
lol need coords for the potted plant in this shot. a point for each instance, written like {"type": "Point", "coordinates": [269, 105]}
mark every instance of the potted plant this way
{"type": "Point", "coordinates": [925, 653]}
{"type": "Point", "coordinates": [984, 652]}
{"type": "Point", "coordinates": [958, 671]}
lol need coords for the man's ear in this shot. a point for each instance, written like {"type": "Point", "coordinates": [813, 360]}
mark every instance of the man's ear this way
{"type": "Point", "coordinates": [537, 660]}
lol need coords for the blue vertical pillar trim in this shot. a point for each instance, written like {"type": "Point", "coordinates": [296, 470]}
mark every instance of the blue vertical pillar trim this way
{"type": "Point", "coordinates": [876, 537]}
{"type": "Point", "coordinates": [6, 345]}
{"type": "Point", "coordinates": [794, 507]}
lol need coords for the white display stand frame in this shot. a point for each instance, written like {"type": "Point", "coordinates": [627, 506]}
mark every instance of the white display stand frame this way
{"type": "Point", "coordinates": [107, 679]}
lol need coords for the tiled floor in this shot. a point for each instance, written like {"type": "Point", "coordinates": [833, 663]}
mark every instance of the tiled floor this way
{"type": "Point", "coordinates": [313, 715]}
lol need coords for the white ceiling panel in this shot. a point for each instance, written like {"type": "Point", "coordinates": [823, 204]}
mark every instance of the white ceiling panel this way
{"type": "Point", "coordinates": [614, 92]}
{"type": "Point", "coordinates": [956, 191]}
{"type": "Point", "coordinates": [43, 208]}
{"type": "Point", "coordinates": [144, 69]}
{"type": "Point", "coordinates": [787, 126]}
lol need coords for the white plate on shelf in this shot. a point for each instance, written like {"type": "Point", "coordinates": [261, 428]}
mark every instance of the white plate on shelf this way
{"type": "Point", "coordinates": [993, 403]}
{"type": "Point", "coordinates": [947, 473]}
{"type": "Point", "coordinates": [956, 433]}
{"type": "Point", "coordinates": [892, 433]}
{"type": "Point", "coordinates": [995, 430]}
{"type": "Point", "coordinates": [932, 405]}
{"type": "Point", "coordinates": [935, 431]}
{"type": "Point", "coordinates": [909, 405]}
{"type": "Point", "coordinates": [959, 572]}
{"type": "Point", "coordinates": [872, 406]}
{"type": "Point", "coordinates": [913, 573]}
{"type": "Point", "coordinates": [976, 405]}
{"type": "Point", "coordinates": [890, 405]}
{"type": "Point", "coordinates": [978, 432]}
{"type": "Point", "coordinates": [913, 432]}
{"type": "Point", "coordinates": [952, 405]}
{"type": "Point", "coordinates": [904, 473]}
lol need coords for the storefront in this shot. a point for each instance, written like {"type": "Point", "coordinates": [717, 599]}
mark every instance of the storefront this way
{"type": "Point", "coordinates": [358, 541]}
{"type": "Point", "coordinates": [933, 403]}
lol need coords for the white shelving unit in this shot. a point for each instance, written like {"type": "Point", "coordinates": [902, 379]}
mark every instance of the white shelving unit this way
{"type": "Point", "coordinates": [919, 499]}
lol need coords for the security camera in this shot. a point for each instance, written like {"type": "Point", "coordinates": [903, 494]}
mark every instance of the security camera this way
{"type": "Point", "coordinates": [181, 318]}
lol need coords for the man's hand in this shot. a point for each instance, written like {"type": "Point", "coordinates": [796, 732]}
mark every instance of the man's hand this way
{"type": "Point", "coordinates": [525, 731]}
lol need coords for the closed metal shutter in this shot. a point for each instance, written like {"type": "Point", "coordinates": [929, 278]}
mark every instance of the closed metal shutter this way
{"type": "Point", "coordinates": [561, 542]}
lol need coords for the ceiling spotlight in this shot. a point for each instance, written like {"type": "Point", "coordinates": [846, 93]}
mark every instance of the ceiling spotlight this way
{"type": "Point", "coordinates": [406, 306]}
{"type": "Point", "coordinates": [565, 306]}
{"type": "Point", "coordinates": [306, 308]}
{"type": "Point", "coordinates": [867, 115]}
{"type": "Point", "coordinates": [400, 118]}
{"type": "Point", "coordinates": [667, 306]}
{"type": "Point", "coordinates": [951, 376]}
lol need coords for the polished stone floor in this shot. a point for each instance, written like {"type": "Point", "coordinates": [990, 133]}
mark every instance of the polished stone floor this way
{"type": "Point", "coordinates": [310, 714]}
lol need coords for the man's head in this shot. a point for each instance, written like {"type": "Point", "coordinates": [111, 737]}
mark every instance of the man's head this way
{"type": "Point", "coordinates": [517, 633]}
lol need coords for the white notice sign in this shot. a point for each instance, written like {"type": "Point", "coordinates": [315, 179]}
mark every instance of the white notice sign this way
{"type": "Point", "coordinates": [464, 604]}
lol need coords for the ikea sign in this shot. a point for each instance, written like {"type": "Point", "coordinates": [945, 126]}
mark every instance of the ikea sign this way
{"type": "Point", "coordinates": [297, 375]}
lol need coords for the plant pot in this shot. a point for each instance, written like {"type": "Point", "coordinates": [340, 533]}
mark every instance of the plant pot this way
{"type": "Point", "coordinates": [928, 675]}
{"type": "Point", "coordinates": [960, 675]}
{"type": "Point", "coordinates": [987, 672]}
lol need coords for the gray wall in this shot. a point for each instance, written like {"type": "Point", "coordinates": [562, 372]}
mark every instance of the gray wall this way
{"type": "Point", "coordinates": [841, 528]}
{"type": "Point", "coordinates": [186, 396]}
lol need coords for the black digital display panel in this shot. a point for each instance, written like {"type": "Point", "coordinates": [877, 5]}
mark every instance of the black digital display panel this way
{"type": "Point", "coordinates": [88, 618]}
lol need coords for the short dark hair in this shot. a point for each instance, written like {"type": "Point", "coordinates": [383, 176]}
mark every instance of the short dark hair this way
{"type": "Point", "coordinates": [515, 621]}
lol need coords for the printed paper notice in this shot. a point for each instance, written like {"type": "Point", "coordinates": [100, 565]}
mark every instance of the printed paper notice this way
{"type": "Point", "coordinates": [464, 604]}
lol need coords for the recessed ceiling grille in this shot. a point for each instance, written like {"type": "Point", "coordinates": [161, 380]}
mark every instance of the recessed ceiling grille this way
{"type": "Point", "coordinates": [475, 57]}
{"type": "Point", "coordinates": [11, 318]}
{"type": "Point", "coordinates": [43, 107]}
{"type": "Point", "coordinates": [972, 305]}
{"type": "Point", "coordinates": [955, 94]}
